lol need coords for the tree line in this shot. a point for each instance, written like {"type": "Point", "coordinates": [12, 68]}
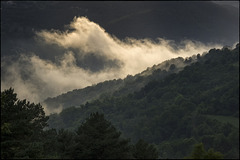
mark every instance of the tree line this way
{"type": "Point", "coordinates": [23, 136]}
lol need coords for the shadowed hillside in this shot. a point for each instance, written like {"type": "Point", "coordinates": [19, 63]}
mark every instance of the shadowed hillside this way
{"type": "Point", "coordinates": [118, 87]}
{"type": "Point", "coordinates": [198, 104]}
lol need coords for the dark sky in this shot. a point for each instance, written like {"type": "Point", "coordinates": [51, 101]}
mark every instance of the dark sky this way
{"type": "Point", "coordinates": [231, 3]}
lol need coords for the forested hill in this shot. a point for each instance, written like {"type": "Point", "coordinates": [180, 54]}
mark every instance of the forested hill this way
{"type": "Point", "coordinates": [118, 87]}
{"type": "Point", "coordinates": [198, 104]}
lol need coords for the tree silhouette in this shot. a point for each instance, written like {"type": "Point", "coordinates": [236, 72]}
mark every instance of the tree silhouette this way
{"type": "Point", "coordinates": [143, 150]}
{"type": "Point", "coordinates": [199, 152]}
{"type": "Point", "coordinates": [98, 138]}
{"type": "Point", "coordinates": [22, 125]}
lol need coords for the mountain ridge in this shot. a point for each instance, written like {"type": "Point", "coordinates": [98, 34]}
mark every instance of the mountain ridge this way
{"type": "Point", "coordinates": [198, 104]}
{"type": "Point", "coordinates": [116, 86]}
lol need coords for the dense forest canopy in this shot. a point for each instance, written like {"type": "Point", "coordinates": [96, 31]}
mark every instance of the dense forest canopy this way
{"type": "Point", "coordinates": [23, 136]}
{"type": "Point", "coordinates": [198, 104]}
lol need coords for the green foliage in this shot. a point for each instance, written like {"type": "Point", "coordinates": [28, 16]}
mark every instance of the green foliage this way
{"type": "Point", "coordinates": [22, 125]}
{"type": "Point", "coordinates": [66, 143]}
{"type": "Point", "coordinates": [50, 144]}
{"type": "Point", "coordinates": [97, 138]}
{"type": "Point", "coordinates": [173, 112]}
{"type": "Point", "coordinates": [119, 87]}
{"type": "Point", "coordinates": [176, 148]}
{"type": "Point", "coordinates": [226, 119]}
{"type": "Point", "coordinates": [199, 152]}
{"type": "Point", "coordinates": [143, 150]}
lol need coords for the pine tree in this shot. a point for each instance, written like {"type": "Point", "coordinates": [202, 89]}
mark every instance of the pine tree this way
{"type": "Point", "coordinates": [22, 124]}
{"type": "Point", "coordinates": [143, 150]}
{"type": "Point", "coordinates": [199, 152]}
{"type": "Point", "coordinates": [97, 138]}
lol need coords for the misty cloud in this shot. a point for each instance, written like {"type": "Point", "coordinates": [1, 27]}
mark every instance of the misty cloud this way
{"type": "Point", "coordinates": [87, 37]}
{"type": "Point", "coordinates": [89, 55]}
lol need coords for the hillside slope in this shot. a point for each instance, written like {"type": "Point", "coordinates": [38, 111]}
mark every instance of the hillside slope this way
{"type": "Point", "coordinates": [118, 87]}
{"type": "Point", "coordinates": [194, 105]}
